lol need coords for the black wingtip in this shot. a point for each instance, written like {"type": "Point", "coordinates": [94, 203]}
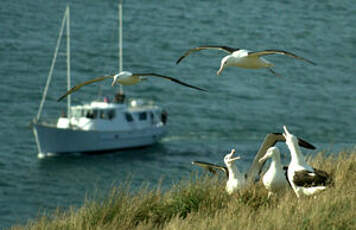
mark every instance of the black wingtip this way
{"type": "Point", "coordinates": [61, 98]}
{"type": "Point", "coordinates": [310, 62]}
{"type": "Point", "coordinates": [179, 60]}
{"type": "Point", "coordinates": [305, 144]}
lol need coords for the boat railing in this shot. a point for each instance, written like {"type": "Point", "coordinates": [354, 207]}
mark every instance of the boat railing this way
{"type": "Point", "coordinates": [139, 102]}
{"type": "Point", "coordinates": [46, 122]}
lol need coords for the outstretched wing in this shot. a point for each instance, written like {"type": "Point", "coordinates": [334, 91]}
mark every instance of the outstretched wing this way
{"type": "Point", "coordinates": [270, 140]}
{"type": "Point", "coordinates": [282, 52]}
{"type": "Point", "coordinates": [169, 78]}
{"type": "Point", "coordinates": [77, 87]}
{"type": "Point", "coordinates": [301, 142]}
{"type": "Point", "coordinates": [223, 48]}
{"type": "Point", "coordinates": [310, 179]}
{"type": "Point", "coordinates": [211, 167]}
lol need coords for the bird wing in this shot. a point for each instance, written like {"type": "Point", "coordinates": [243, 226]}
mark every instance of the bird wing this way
{"type": "Point", "coordinates": [303, 143]}
{"type": "Point", "coordinates": [307, 178]}
{"type": "Point", "coordinates": [223, 48]}
{"type": "Point", "coordinates": [77, 87]}
{"type": "Point", "coordinates": [285, 169]}
{"type": "Point", "coordinates": [168, 78]}
{"type": "Point", "coordinates": [211, 167]}
{"type": "Point", "coordinates": [270, 140]}
{"type": "Point", "coordinates": [282, 52]}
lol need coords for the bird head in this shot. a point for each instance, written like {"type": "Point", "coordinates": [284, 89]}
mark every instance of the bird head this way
{"type": "Point", "coordinates": [228, 159]}
{"type": "Point", "coordinates": [118, 78]}
{"type": "Point", "coordinates": [270, 152]}
{"type": "Point", "coordinates": [224, 62]}
{"type": "Point", "coordinates": [115, 78]}
{"type": "Point", "coordinates": [290, 138]}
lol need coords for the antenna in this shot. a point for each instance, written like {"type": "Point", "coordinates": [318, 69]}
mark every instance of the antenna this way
{"type": "Point", "coordinates": [68, 63]}
{"type": "Point", "coordinates": [120, 42]}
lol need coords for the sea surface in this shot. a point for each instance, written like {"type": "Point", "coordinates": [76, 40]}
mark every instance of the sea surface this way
{"type": "Point", "coordinates": [317, 103]}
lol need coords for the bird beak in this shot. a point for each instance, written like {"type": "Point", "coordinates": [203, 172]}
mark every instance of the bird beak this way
{"type": "Point", "coordinates": [285, 131]}
{"type": "Point", "coordinates": [220, 70]}
{"type": "Point", "coordinates": [113, 83]}
{"type": "Point", "coordinates": [263, 158]}
{"type": "Point", "coordinates": [231, 154]}
{"type": "Point", "coordinates": [234, 159]}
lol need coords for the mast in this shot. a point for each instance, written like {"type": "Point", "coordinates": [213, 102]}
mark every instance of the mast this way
{"type": "Point", "coordinates": [68, 63]}
{"type": "Point", "coordinates": [120, 43]}
{"type": "Point", "coordinates": [49, 78]}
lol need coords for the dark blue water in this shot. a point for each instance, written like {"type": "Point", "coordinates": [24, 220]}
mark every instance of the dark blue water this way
{"type": "Point", "coordinates": [316, 102]}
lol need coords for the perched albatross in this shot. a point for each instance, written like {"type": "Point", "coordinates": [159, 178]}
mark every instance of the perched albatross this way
{"type": "Point", "coordinates": [270, 140]}
{"type": "Point", "coordinates": [256, 167]}
{"type": "Point", "coordinates": [275, 178]}
{"type": "Point", "coordinates": [126, 78]}
{"type": "Point", "coordinates": [304, 179]}
{"type": "Point", "coordinates": [244, 58]}
{"type": "Point", "coordinates": [235, 180]}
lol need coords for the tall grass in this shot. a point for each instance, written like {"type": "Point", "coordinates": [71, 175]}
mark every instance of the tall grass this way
{"type": "Point", "coordinates": [201, 203]}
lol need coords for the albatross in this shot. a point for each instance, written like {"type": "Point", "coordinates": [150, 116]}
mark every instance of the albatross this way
{"type": "Point", "coordinates": [127, 78]}
{"type": "Point", "coordinates": [244, 58]}
{"type": "Point", "coordinates": [270, 140]}
{"type": "Point", "coordinates": [304, 179]}
{"type": "Point", "coordinates": [235, 180]}
{"type": "Point", "coordinates": [275, 178]}
{"type": "Point", "coordinates": [256, 167]}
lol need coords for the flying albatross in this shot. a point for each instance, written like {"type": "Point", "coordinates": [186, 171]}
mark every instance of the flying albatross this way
{"type": "Point", "coordinates": [126, 78]}
{"type": "Point", "coordinates": [244, 58]}
{"type": "Point", "coordinates": [235, 180]}
{"type": "Point", "coordinates": [275, 178]}
{"type": "Point", "coordinates": [304, 179]}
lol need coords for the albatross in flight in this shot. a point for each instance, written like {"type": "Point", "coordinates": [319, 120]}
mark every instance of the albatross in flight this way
{"type": "Point", "coordinates": [304, 179]}
{"type": "Point", "coordinates": [275, 178]}
{"type": "Point", "coordinates": [244, 58]}
{"type": "Point", "coordinates": [126, 78]}
{"type": "Point", "coordinates": [235, 180]}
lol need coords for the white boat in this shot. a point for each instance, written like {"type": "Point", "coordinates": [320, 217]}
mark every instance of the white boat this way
{"type": "Point", "coordinates": [100, 125]}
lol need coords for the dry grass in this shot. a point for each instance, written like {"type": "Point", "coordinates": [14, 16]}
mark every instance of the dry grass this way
{"type": "Point", "coordinates": [201, 203]}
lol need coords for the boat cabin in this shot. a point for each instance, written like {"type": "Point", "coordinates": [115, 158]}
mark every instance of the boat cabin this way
{"type": "Point", "coordinates": [112, 116]}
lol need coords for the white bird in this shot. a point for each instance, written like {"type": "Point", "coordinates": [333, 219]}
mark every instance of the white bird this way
{"type": "Point", "coordinates": [127, 78]}
{"type": "Point", "coordinates": [275, 178]}
{"type": "Point", "coordinates": [235, 180]}
{"type": "Point", "coordinates": [244, 58]}
{"type": "Point", "coordinates": [270, 140]}
{"type": "Point", "coordinates": [304, 179]}
{"type": "Point", "coordinates": [256, 167]}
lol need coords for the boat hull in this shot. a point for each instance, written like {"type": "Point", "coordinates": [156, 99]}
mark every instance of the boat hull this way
{"type": "Point", "coordinates": [53, 140]}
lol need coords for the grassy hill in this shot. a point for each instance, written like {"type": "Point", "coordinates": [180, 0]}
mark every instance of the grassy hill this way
{"type": "Point", "coordinates": [201, 203]}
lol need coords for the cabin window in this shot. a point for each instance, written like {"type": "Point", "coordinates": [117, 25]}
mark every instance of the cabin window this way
{"type": "Point", "coordinates": [111, 114]}
{"type": "Point", "coordinates": [94, 113]}
{"type": "Point", "coordinates": [102, 114]}
{"type": "Point", "coordinates": [75, 113]}
{"type": "Point", "coordinates": [142, 116]}
{"type": "Point", "coordinates": [90, 114]}
{"type": "Point", "coordinates": [129, 117]}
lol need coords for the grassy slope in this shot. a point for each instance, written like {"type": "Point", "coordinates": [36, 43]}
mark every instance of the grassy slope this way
{"type": "Point", "coordinates": [201, 203]}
